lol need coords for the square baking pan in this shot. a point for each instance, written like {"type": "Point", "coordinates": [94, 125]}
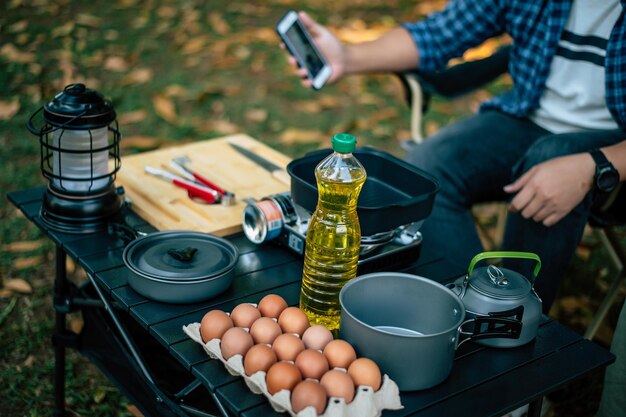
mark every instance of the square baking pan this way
{"type": "Point", "coordinates": [395, 193]}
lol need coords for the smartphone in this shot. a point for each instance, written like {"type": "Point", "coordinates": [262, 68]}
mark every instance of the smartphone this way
{"type": "Point", "coordinates": [300, 45]}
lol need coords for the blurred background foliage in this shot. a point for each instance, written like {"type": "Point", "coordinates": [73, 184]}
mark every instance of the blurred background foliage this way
{"type": "Point", "coordinates": [179, 71]}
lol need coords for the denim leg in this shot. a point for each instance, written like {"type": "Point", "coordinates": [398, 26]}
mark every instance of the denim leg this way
{"type": "Point", "coordinates": [556, 244]}
{"type": "Point", "coordinates": [472, 160]}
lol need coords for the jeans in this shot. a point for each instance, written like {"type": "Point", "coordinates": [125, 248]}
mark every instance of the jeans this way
{"type": "Point", "coordinates": [613, 402]}
{"type": "Point", "coordinates": [472, 160]}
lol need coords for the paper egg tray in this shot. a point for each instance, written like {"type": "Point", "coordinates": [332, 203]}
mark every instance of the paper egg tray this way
{"type": "Point", "coordinates": [366, 402]}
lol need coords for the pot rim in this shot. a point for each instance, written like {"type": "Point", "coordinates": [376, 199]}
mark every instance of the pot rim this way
{"type": "Point", "coordinates": [402, 275]}
{"type": "Point", "coordinates": [228, 246]}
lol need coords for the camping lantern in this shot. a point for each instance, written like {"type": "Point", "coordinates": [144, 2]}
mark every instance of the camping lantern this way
{"type": "Point", "coordinates": [79, 157]}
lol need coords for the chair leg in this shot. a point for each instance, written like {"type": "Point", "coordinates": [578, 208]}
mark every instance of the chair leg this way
{"type": "Point", "coordinates": [613, 245]}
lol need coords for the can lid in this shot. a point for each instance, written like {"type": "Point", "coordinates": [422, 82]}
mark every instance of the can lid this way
{"type": "Point", "coordinates": [343, 143]}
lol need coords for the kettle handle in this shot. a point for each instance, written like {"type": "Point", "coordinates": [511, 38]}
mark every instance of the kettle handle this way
{"type": "Point", "coordinates": [505, 254]}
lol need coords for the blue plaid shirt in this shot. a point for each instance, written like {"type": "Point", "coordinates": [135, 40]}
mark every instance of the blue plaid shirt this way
{"type": "Point", "coordinates": [536, 27]}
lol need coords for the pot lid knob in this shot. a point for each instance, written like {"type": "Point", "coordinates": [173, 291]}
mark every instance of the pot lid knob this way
{"type": "Point", "coordinates": [496, 275]}
{"type": "Point", "coordinates": [499, 283]}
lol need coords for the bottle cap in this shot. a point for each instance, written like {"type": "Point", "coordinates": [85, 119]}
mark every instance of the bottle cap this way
{"type": "Point", "coordinates": [343, 142]}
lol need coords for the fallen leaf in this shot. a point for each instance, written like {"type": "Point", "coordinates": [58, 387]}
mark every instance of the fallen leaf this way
{"type": "Point", "coordinates": [88, 20]}
{"type": "Point", "coordinates": [4, 293]}
{"type": "Point", "coordinates": [291, 136]}
{"type": "Point", "coordinates": [23, 263]}
{"type": "Point", "coordinates": [307, 106]}
{"type": "Point", "coordinates": [256, 115]}
{"type": "Point", "coordinates": [28, 362]}
{"type": "Point", "coordinates": [116, 64]}
{"type": "Point", "coordinates": [176, 90]}
{"type": "Point", "coordinates": [76, 323]}
{"type": "Point", "coordinates": [220, 126]}
{"type": "Point", "coordinates": [23, 246]}
{"type": "Point", "coordinates": [166, 12]}
{"type": "Point", "coordinates": [138, 76]}
{"type": "Point", "coordinates": [432, 128]}
{"type": "Point", "coordinates": [140, 142]}
{"type": "Point", "coordinates": [18, 27]}
{"type": "Point", "coordinates": [11, 53]}
{"type": "Point", "coordinates": [218, 24]}
{"type": "Point", "coordinates": [132, 117]}
{"type": "Point", "coordinates": [164, 107]}
{"type": "Point", "coordinates": [62, 31]}
{"type": "Point", "coordinates": [134, 410]}
{"type": "Point", "coordinates": [18, 285]}
{"type": "Point", "coordinates": [99, 395]}
{"type": "Point", "coordinates": [8, 109]}
{"type": "Point", "coordinates": [195, 45]}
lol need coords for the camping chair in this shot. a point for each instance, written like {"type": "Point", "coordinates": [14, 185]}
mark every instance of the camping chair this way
{"type": "Point", "coordinates": [465, 77]}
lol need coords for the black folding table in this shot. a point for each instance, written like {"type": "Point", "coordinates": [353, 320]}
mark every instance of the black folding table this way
{"type": "Point", "coordinates": [140, 344]}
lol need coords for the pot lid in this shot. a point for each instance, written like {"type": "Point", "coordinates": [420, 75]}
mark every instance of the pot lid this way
{"type": "Point", "coordinates": [499, 282]}
{"type": "Point", "coordinates": [180, 255]}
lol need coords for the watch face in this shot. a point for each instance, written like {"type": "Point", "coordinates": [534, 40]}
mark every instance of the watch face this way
{"type": "Point", "coordinates": [607, 180]}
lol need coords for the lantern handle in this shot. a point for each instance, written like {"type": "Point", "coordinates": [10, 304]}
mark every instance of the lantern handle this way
{"type": "Point", "coordinates": [42, 132]}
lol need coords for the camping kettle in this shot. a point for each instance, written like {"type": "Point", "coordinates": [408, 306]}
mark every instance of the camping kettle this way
{"type": "Point", "coordinates": [491, 291]}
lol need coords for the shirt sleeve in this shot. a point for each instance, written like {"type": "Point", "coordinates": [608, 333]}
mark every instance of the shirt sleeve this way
{"type": "Point", "coordinates": [447, 34]}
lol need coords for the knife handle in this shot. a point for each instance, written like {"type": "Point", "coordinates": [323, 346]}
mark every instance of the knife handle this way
{"type": "Point", "coordinates": [282, 176]}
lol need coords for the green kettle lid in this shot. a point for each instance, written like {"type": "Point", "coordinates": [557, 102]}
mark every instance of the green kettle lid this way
{"type": "Point", "coordinates": [343, 143]}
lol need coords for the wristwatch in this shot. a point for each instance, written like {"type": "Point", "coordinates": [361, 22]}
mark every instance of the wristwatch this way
{"type": "Point", "coordinates": [606, 177]}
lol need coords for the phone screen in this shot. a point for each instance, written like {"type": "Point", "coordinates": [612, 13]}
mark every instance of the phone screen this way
{"type": "Point", "coordinates": [301, 45]}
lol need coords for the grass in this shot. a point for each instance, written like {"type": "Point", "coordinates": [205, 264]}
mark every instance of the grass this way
{"type": "Point", "coordinates": [177, 72]}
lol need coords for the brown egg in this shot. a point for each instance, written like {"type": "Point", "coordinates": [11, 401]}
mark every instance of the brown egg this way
{"type": "Point", "coordinates": [317, 337]}
{"type": "Point", "coordinates": [309, 393]}
{"type": "Point", "coordinates": [282, 375]}
{"type": "Point", "coordinates": [312, 363]}
{"type": "Point", "coordinates": [293, 320]}
{"type": "Point", "coordinates": [214, 324]}
{"type": "Point", "coordinates": [265, 330]}
{"type": "Point", "coordinates": [244, 315]}
{"type": "Point", "coordinates": [259, 358]}
{"type": "Point", "coordinates": [236, 341]}
{"type": "Point", "coordinates": [338, 384]}
{"type": "Point", "coordinates": [340, 354]}
{"type": "Point", "coordinates": [364, 371]}
{"type": "Point", "coordinates": [287, 346]}
{"type": "Point", "coordinates": [272, 305]}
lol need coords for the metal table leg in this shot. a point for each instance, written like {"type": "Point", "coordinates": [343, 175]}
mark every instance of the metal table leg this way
{"type": "Point", "coordinates": [60, 297]}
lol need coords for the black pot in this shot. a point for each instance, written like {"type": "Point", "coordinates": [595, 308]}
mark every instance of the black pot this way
{"type": "Point", "coordinates": [180, 266]}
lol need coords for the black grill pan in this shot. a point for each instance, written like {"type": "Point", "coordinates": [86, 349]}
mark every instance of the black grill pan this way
{"type": "Point", "coordinates": [395, 192]}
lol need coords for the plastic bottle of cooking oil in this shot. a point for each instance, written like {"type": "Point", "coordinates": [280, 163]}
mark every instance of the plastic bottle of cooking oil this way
{"type": "Point", "coordinates": [334, 235]}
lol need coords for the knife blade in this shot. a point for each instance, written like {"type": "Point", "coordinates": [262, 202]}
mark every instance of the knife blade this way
{"type": "Point", "coordinates": [276, 171]}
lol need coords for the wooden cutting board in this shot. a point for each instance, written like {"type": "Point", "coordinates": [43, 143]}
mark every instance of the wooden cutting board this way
{"type": "Point", "coordinates": [168, 207]}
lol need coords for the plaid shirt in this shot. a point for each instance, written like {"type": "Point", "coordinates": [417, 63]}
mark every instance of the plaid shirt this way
{"type": "Point", "coordinates": [536, 27]}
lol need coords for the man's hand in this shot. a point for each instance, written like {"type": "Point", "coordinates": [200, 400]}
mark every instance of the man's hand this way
{"type": "Point", "coordinates": [550, 190]}
{"type": "Point", "coordinates": [328, 45]}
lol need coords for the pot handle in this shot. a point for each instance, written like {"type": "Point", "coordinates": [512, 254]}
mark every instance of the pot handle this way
{"type": "Point", "coordinates": [503, 324]}
{"type": "Point", "coordinates": [505, 254]}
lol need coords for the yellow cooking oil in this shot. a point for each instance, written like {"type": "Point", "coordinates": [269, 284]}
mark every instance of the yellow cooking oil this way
{"type": "Point", "coordinates": [334, 235]}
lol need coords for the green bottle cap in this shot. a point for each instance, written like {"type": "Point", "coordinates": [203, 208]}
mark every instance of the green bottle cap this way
{"type": "Point", "coordinates": [343, 143]}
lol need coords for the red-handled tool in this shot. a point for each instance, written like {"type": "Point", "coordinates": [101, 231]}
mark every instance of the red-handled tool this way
{"type": "Point", "coordinates": [194, 190]}
{"type": "Point", "coordinates": [179, 164]}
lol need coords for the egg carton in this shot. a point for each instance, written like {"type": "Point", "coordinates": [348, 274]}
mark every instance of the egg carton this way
{"type": "Point", "coordinates": [366, 402]}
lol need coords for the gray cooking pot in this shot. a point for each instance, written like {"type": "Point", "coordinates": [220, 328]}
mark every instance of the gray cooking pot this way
{"type": "Point", "coordinates": [491, 291]}
{"type": "Point", "coordinates": [410, 326]}
{"type": "Point", "coordinates": [180, 266]}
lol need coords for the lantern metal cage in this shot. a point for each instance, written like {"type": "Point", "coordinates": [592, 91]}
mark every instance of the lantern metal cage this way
{"type": "Point", "coordinates": [80, 156]}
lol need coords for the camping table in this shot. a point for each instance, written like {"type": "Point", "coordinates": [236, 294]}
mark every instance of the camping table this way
{"type": "Point", "coordinates": [140, 345]}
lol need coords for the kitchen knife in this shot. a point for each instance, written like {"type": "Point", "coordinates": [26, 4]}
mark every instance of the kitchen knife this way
{"type": "Point", "coordinates": [276, 171]}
